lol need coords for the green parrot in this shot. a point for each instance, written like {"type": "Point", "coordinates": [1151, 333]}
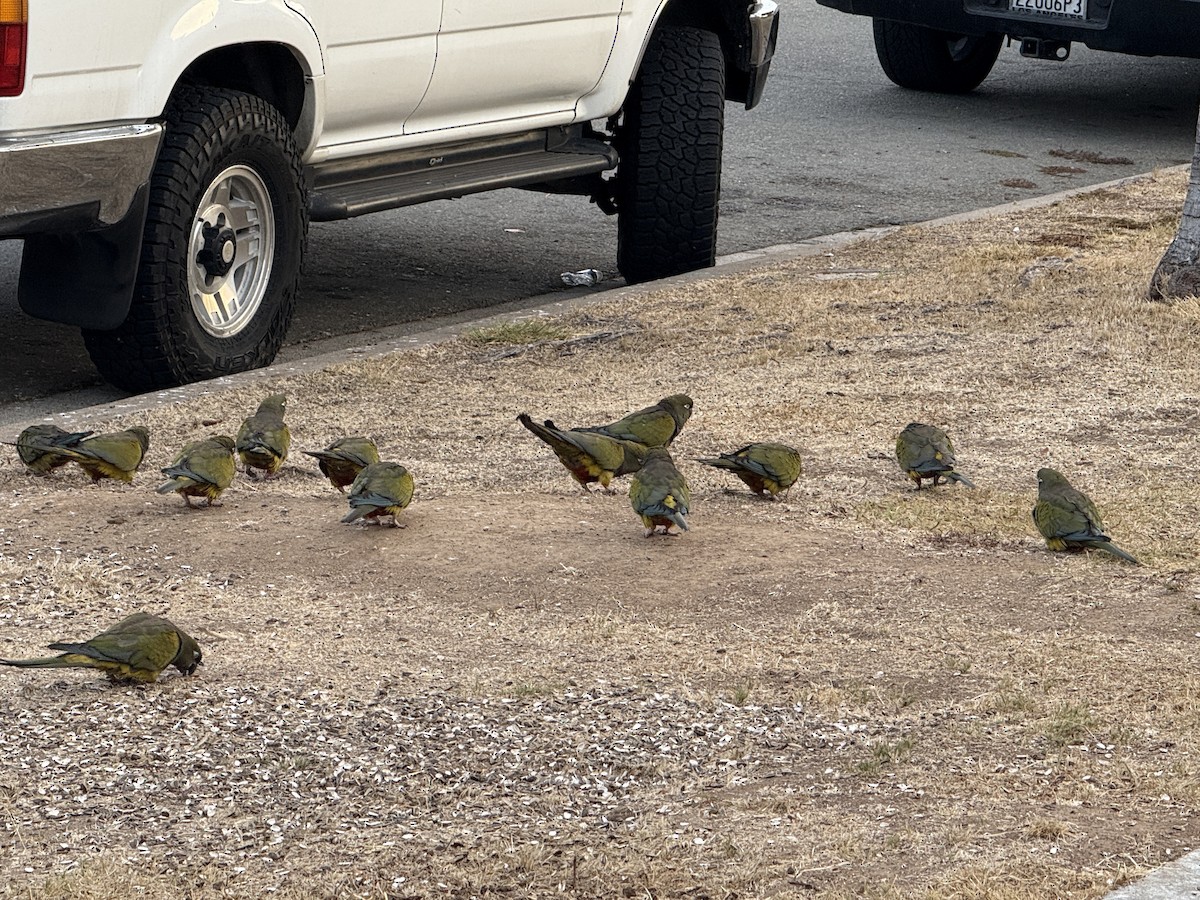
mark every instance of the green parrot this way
{"type": "Point", "coordinates": [588, 455]}
{"type": "Point", "coordinates": [202, 469]}
{"type": "Point", "coordinates": [115, 455]}
{"type": "Point", "coordinates": [38, 447]}
{"type": "Point", "coordinates": [381, 489]}
{"type": "Point", "coordinates": [1068, 520]}
{"type": "Point", "coordinates": [342, 460]}
{"type": "Point", "coordinates": [659, 493]}
{"type": "Point", "coordinates": [767, 468]}
{"type": "Point", "coordinates": [135, 650]}
{"type": "Point", "coordinates": [925, 452]}
{"type": "Point", "coordinates": [264, 438]}
{"type": "Point", "coordinates": [654, 426]}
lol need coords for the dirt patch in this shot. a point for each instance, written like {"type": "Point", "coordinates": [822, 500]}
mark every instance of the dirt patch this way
{"type": "Point", "coordinates": [1091, 156]}
{"type": "Point", "coordinates": [859, 691]}
{"type": "Point", "coordinates": [1061, 171]}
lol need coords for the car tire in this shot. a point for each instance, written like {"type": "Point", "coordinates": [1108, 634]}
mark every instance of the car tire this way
{"type": "Point", "coordinates": [669, 141]}
{"type": "Point", "coordinates": [221, 250]}
{"type": "Point", "coordinates": [924, 59]}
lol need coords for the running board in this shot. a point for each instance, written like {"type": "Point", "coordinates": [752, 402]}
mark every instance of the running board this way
{"type": "Point", "coordinates": [343, 189]}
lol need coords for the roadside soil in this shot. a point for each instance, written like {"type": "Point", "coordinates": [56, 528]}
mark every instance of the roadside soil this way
{"type": "Point", "coordinates": [859, 691]}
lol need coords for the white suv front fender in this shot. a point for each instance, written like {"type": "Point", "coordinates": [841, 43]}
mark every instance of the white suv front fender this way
{"type": "Point", "coordinates": [66, 78]}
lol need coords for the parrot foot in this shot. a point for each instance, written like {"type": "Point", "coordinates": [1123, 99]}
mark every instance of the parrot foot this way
{"type": "Point", "coordinates": [666, 531]}
{"type": "Point", "coordinates": [188, 500]}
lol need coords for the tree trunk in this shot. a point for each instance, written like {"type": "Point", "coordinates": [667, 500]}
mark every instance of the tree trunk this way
{"type": "Point", "coordinates": [1178, 272]}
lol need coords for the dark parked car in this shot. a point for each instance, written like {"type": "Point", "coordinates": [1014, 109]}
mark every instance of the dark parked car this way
{"type": "Point", "coordinates": [950, 46]}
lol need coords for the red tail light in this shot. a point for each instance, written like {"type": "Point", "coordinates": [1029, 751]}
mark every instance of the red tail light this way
{"type": "Point", "coordinates": [14, 23]}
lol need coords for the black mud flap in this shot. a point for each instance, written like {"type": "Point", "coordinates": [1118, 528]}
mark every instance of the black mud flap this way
{"type": "Point", "coordinates": [85, 278]}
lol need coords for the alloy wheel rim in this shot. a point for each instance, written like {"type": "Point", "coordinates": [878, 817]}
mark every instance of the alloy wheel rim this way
{"type": "Point", "coordinates": [231, 249]}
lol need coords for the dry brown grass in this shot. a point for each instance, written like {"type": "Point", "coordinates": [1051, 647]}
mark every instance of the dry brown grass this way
{"type": "Point", "coordinates": [522, 331]}
{"type": "Point", "coordinates": [862, 691]}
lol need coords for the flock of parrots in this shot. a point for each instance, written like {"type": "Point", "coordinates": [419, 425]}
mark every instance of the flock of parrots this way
{"type": "Point", "coordinates": [140, 646]}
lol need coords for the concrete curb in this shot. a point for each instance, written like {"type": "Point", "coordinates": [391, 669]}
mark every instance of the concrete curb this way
{"type": "Point", "coordinates": [1179, 880]}
{"type": "Point", "coordinates": [551, 304]}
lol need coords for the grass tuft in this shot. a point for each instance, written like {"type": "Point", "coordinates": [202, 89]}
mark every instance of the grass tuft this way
{"type": "Point", "coordinates": [523, 331]}
{"type": "Point", "coordinates": [1070, 724]}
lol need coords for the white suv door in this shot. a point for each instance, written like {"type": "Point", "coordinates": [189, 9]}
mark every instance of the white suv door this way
{"type": "Point", "coordinates": [514, 59]}
{"type": "Point", "coordinates": [378, 61]}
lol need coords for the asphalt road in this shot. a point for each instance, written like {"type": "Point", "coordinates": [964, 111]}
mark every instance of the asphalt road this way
{"type": "Point", "coordinates": [835, 146]}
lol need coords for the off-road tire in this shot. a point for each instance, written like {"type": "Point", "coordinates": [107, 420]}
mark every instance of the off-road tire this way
{"type": "Point", "coordinates": [668, 181]}
{"type": "Point", "coordinates": [924, 59]}
{"type": "Point", "coordinates": [161, 343]}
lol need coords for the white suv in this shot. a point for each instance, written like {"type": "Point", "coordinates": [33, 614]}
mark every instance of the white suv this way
{"type": "Point", "coordinates": [162, 160]}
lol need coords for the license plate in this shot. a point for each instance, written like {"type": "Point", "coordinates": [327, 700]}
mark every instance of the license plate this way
{"type": "Point", "coordinates": [1071, 9]}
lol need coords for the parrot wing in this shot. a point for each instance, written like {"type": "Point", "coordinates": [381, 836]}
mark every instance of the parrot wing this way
{"type": "Point", "coordinates": [358, 451]}
{"type": "Point", "coordinates": [256, 435]}
{"type": "Point", "coordinates": [588, 455]}
{"type": "Point", "coordinates": [265, 431]}
{"type": "Point", "coordinates": [659, 490]}
{"type": "Point", "coordinates": [382, 484]}
{"type": "Point", "coordinates": [40, 446]}
{"type": "Point", "coordinates": [149, 652]}
{"type": "Point", "coordinates": [46, 438]}
{"type": "Point", "coordinates": [653, 426]}
{"type": "Point", "coordinates": [121, 450]}
{"type": "Point", "coordinates": [202, 462]}
{"type": "Point", "coordinates": [1074, 513]}
{"type": "Point", "coordinates": [212, 463]}
{"type": "Point", "coordinates": [764, 466]}
{"type": "Point", "coordinates": [778, 462]}
{"type": "Point", "coordinates": [924, 449]}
